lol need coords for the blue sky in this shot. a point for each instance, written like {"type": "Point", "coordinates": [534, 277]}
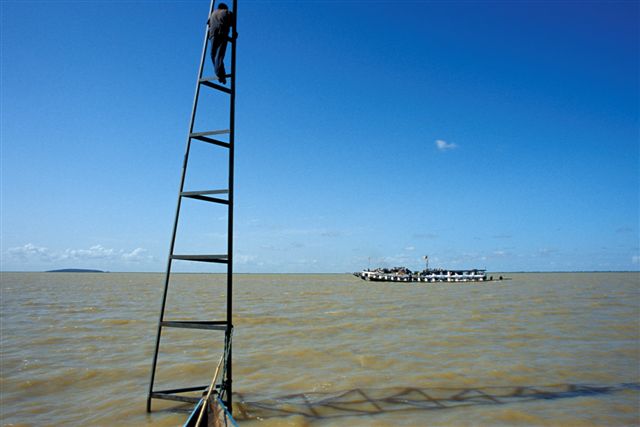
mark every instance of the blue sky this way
{"type": "Point", "coordinates": [488, 134]}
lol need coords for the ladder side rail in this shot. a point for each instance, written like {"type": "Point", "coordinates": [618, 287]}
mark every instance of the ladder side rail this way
{"type": "Point", "coordinates": [175, 223]}
{"type": "Point", "coordinates": [232, 110]}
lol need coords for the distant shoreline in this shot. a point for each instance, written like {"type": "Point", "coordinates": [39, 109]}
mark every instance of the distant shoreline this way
{"type": "Point", "coordinates": [75, 270]}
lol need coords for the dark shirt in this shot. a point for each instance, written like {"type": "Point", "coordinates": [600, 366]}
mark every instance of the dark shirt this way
{"type": "Point", "coordinates": [220, 22]}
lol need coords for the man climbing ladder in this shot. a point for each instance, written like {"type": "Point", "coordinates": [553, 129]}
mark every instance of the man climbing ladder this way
{"type": "Point", "coordinates": [220, 22]}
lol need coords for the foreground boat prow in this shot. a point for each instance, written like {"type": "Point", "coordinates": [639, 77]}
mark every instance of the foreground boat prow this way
{"type": "Point", "coordinates": [215, 414]}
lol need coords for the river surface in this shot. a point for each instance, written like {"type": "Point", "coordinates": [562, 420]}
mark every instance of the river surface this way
{"type": "Point", "coordinates": [557, 349]}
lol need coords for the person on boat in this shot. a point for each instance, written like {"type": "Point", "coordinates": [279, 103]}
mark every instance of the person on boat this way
{"type": "Point", "coordinates": [220, 22]}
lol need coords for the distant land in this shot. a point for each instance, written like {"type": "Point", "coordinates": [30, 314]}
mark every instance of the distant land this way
{"type": "Point", "coordinates": [75, 270]}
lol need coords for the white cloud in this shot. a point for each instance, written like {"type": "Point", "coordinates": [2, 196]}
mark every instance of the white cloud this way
{"type": "Point", "coordinates": [33, 253]}
{"type": "Point", "coordinates": [94, 252]}
{"type": "Point", "coordinates": [137, 255]}
{"type": "Point", "coordinates": [444, 145]}
{"type": "Point", "coordinates": [635, 259]}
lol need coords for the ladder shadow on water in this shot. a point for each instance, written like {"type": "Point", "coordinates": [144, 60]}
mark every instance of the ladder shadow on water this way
{"type": "Point", "coordinates": [369, 402]}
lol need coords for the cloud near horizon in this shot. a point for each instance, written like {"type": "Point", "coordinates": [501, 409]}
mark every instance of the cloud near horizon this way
{"type": "Point", "coordinates": [444, 145]}
{"type": "Point", "coordinates": [30, 253]}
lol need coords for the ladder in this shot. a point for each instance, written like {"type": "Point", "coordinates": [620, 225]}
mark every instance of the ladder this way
{"type": "Point", "coordinates": [216, 196]}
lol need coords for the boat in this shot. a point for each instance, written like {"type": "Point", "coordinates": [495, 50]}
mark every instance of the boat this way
{"type": "Point", "coordinates": [402, 274]}
{"type": "Point", "coordinates": [429, 275]}
{"type": "Point", "coordinates": [210, 412]}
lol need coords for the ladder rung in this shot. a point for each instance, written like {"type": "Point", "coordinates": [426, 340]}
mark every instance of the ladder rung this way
{"type": "Point", "coordinates": [202, 195]}
{"type": "Point", "coordinates": [204, 136]}
{"type": "Point", "coordinates": [171, 394]}
{"type": "Point", "coordinates": [210, 132]}
{"type": "Point", "coordinates": [212, 141]}
{"type": "Point", "coordinates": [214, 78]}
{"type": "Point", "coordinates": [194, 324]}
{"type": "Point", "coordinates": [168, 396]}
{"type": "Point", "coordinates": [183, 390]}
{"type": "Point", "coordinates": [208, 82]}
{"type": "Point", "coordinates": [225, 191]}
{"type": "Point", "coordinates": [223, 259]}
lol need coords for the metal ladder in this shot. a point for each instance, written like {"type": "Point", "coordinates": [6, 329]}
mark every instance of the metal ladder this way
{"type": "Point", "coordinates": [211, 196]}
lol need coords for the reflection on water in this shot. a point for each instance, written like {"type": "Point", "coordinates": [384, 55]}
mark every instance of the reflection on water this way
{"type": "Point", "coordinates": [77, 349]}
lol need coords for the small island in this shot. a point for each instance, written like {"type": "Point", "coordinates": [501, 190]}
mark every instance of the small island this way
{"type": "Point", "coordinates": [75, 270]}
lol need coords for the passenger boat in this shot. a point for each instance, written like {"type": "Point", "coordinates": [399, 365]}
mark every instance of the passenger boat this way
{"type": "Point", "coordinates": [402, 274]}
